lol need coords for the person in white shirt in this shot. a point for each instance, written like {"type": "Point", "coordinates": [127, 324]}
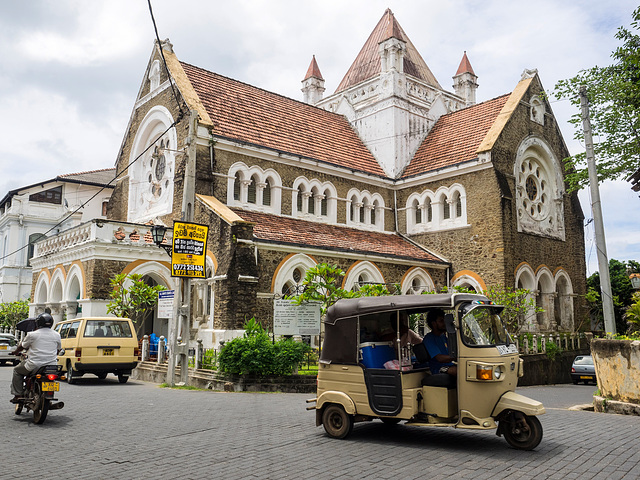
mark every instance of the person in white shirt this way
{"type": "Point", "coordinates": [42, 345]}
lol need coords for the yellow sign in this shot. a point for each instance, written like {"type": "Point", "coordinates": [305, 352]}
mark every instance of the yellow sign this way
{"type": "Point", "coordinates": [189, 250]}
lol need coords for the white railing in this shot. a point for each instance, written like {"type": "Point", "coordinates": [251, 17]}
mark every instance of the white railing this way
{"type": "Point", "coordinates": [102, 231]}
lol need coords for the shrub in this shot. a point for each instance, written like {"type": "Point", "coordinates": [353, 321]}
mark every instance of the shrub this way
{"type": "Point", "coordinates": [255, 354]}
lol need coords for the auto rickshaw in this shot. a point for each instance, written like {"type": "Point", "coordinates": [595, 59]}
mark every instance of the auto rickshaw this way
{"type": "Point", "coordinates": [354, 385]}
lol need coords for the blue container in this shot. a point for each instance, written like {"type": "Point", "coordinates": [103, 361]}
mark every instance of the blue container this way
{"type": "Point", "coordinates": [376, 354]}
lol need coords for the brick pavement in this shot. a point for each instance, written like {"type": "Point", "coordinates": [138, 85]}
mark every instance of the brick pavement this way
{"type": "Point", "coordinates": [138, 430]}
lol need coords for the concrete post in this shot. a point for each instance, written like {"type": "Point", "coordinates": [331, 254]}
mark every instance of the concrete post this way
{"type": "Point", "coordinates": [145, 348]}
{"type": "Point", "coordinates": [199, 353]}
{"type": "Point", "coordinates": [161, 352]}
{"type": "Point", "coordinates": [543, 344]}
{"type": "Point", "coordinates": [535, 344]}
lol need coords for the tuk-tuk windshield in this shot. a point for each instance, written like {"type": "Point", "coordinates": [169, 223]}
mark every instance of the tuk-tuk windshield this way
{"type": "Point", "coordinates": [482, 326]}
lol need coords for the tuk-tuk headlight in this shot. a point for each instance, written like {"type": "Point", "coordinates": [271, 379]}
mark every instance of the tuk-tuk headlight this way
{"type": "Point", "coordinates": [497, 372]}
{"type": "Point", "coordinates": [484, 372]}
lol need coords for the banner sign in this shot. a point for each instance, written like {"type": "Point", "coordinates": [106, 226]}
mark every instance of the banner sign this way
{"type": "Point", "coordinates": [189, 250]}
{"type": "Point", "coordinates": [165, 303]}
{"type": "Point", "coordinates": [291, 319]}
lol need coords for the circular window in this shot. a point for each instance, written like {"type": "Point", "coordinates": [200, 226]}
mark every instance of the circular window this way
{"type": "Point", "coordinates": [534, 183]}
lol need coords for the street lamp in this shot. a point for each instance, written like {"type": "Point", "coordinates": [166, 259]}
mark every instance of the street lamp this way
{"type": "Point", "coordinates": [158, 232]}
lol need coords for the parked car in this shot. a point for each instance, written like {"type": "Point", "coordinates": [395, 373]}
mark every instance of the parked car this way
{"type": "Point", "coordinates": [583, 370]}
{"type": "Point", "coordinates": [8, 344]}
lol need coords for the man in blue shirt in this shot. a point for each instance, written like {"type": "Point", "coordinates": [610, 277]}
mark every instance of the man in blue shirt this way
{"type": "Point", "coordinates": [436, 344]}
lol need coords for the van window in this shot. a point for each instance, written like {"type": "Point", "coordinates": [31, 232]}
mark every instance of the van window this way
{"type": "Point", "coordinates": [73, 330]}
{"type": "Point", "coordinates": [107, 328]}
{"type": "Point", "coordinates": [64, 329]}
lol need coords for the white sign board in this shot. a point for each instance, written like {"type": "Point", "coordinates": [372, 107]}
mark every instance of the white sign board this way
{"type": "Point", "coordinates": [290, 319]}
{"type": "Point", "coordinates": [165, 303]}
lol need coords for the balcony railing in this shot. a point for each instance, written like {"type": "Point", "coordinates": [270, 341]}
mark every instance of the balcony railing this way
{"type": "Point", "coordinates": [101, 231]}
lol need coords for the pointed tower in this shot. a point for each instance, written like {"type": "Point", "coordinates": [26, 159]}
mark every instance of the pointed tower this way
{"type": "Point", "coordinates": [313, 84]}
{"type": "Point", "coordinates": [465, 81]}
{"type": "Point", "coordinates": [390, 96]}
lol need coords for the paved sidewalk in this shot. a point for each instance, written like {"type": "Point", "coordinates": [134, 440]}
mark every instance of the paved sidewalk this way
{"type": "Point", "coordinates": [138, 430]}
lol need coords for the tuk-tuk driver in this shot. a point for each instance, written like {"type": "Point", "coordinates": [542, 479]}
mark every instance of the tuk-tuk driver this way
{"type": "Point", "coordinates": [436, 344]}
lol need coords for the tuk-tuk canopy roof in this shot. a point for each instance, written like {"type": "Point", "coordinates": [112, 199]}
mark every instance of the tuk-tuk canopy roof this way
{"type": "Point", "coordinates": [341, 321]}
{"type": "Point", "coordinates": [353, 307]}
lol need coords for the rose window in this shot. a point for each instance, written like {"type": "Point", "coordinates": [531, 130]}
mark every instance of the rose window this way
{"type": "Point", "coordinates": [534, 180]}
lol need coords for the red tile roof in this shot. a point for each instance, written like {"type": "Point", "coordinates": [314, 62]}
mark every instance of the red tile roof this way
{"type": "Point", "coordinates": [249, 114]}
{"type": "Point", "coordinates": [314, 70]}
{"type": "Point", "coordinates": [465, 66]}
{"type": "Point", "coordinates": [367, 63]}
{"type": "Point", "coordinates": [455, 137]}
{"type": "Point", "coordinates": [295, 232]}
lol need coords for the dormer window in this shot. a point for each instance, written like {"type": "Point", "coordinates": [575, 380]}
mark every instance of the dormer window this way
{"type": "Point", "coordinates": [537, 110]}
{"type": "Point", "coordinates": [53, 195]}
{"type": "Point", "coordinates": [154, 76]}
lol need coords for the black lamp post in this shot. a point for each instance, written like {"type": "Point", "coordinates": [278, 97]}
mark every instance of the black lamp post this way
{"type": "Point", "coordinates": [158, 232]}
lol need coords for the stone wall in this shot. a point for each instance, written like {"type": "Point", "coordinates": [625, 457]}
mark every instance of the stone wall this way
{"type": "Point", "coordinates": [541, 370]}
{"type": "Point", "coordinates": [618, 369]}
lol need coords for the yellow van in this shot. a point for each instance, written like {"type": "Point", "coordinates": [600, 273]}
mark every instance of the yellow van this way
{"type": "Point", "coordinates": [98, 345]}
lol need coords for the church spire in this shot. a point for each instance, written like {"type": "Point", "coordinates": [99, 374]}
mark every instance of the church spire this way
{"type": "Point", "coordinates": [465, 81]}
{"type": "Point", "coordinates": [313, 84]}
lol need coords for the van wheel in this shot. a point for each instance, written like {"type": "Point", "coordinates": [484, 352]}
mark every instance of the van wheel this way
{"type": "Point", "coordinates": [123, 378]}
{"type": "Point", "coordinates": [523, 437]}
{"type": "Point", "coordinates": [337, 423]}
{"type": "Point", "coordinates": [71, 374]}
{"type": "Point", "coordinates": [101, 375]}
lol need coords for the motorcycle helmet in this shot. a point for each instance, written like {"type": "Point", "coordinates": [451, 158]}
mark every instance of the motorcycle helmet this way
{"type": "Point", "coordinates": [44, 320]}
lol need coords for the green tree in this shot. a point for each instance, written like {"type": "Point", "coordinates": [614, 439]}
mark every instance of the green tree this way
{"type": "Point", "coordinates": [614, 97]}
{"type": "Point", "coordinates": [621, 291]}
{"type": "Point", "coordinates": [632, 314]}
{"type": "Point", "coordinates": [323, 283]}
{"type": "Point", "coordinates": [12, 312]}
{"type": "Point", "coordinates": [517, 302]}
{"type": "Point", "coordinates": [132, 302]}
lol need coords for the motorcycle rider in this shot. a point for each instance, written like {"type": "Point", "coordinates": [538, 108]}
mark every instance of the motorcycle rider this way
{"type": "Point", "coordinates": [43, 345]}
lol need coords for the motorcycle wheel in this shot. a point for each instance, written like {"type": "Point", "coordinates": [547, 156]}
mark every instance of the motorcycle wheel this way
{"type": "Point", "coordinates": [18, 409]}
{"type": "Point", "coordinates": [41, 406]}
{"type": "Point", "coordinates": [522, 439]}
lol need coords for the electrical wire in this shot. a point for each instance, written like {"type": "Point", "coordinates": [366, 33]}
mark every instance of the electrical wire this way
{"type": "Point", "coordinates": [118, 174]}
{"type": "Point", "coordinates": [176, 122]}
{"type": "Point", "coordinates": [164, 60]}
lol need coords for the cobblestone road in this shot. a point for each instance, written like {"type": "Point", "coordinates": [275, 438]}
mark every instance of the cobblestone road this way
{"type": "Point", "coordinates": [138, 430]}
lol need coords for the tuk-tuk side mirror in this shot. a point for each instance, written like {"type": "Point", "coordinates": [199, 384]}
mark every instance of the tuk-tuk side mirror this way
{"type": "Point", "coordinates": [449, 322]}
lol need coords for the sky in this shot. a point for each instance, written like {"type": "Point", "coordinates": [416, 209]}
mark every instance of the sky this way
{"type": "Point", "coordinates": [70, 70]}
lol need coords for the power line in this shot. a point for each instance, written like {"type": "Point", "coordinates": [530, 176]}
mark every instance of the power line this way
{"type": "Point", "coordinates": [98, 192]}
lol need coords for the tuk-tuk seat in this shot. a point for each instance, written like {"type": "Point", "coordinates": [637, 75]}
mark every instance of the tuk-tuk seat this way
{"type": "Point", "coordinates": [439, 380]}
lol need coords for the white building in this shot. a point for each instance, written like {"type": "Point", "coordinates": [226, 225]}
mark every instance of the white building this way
{"type": "Point", "coordinates": [30, 213]}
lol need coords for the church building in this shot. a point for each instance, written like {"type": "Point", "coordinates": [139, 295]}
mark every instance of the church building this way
{"type": "Point", "coordinates": [392, 177]}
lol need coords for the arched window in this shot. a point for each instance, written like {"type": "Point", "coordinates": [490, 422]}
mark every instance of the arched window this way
{"type": "Point", "coordinates": [300, 199]}
{"type": "Point", "coordinates": [324, 203]}
{"type": "Point", "coordinates": [446, 209]}
{"type": "Point", "coordinates": [236, 186]}
{"type": "Point", "coordinates": [251, 190]}
{"type": "Point", "coordinates": [457, 205]}
{"type": "Point", "coordinates": [266, 194]}
{"type": "Point", "coordinates": [429, 210]}
{"type": "Point", "coordinates": [418, 211]}
{"type": "Point", "coordinates": [33, 239]}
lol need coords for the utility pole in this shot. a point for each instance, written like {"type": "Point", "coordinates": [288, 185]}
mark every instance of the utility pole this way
{"type": "Point", "coordinates": [179, 351]}
{"type": "Point", "coordinates": [596, 208]}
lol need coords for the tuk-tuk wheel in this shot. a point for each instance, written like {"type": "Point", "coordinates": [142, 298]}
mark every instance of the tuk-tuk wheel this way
{"type": "Point", "coordinates": [337, 423]}
{"type": "Point", "coordinates": [525, 433]}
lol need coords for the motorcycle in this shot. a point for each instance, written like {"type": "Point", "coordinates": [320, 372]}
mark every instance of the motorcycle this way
{"type": "Point", "coordinates": [39, 392]}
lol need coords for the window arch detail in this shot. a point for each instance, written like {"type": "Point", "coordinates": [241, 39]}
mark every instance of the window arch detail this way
{"type": "Point", "coordinates": [314, 200]}
{"type": "Point", "coordinates": [290, 273]}
{"type": "Point", "coordinates": [361, 273]}
{"type": "Point", "coordinates": [365, 210]}
{"type": "Point", "coordinates": [254, 188]}
{"type": "Point", "coordinates": [539, 190]}
{"type": "Point", "coordinates": [416, 281]}
{"type": "Point", "coordinates": [440, 210]}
